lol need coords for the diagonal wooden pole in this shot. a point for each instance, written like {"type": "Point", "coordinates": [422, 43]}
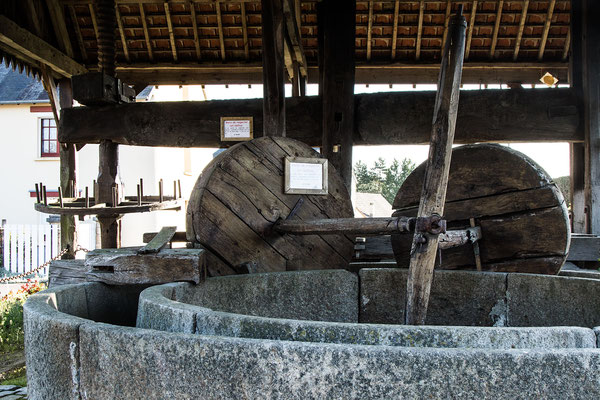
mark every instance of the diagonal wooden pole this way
{"type": "Point", "coordinates": [425, 246]}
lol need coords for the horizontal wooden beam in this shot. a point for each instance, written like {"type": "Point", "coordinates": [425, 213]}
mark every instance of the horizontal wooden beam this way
{"type": "Point", "coordinates": [396, 73]}
{"type": "Point", "coordinates": [227, 1]}
{"type": "Point", "coordinates": [19, 41]}
{"type": "Point", "coordinates": [515, 115]}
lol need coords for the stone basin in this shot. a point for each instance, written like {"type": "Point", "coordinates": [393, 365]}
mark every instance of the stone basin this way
{"type": "Point", "coordinates": [317, 334]}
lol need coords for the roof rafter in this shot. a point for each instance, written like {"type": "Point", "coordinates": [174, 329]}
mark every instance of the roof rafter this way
{"type": "Point", "coordinates": [471, 27]}
{"type": "Point", "coordinates": [395, 29]}
{"type": "Point", "coordinates": [195, 28]}
{"type": "Point", "coordinates": [122, 33]}
{"type": "Point", "coordinates": [496, 29]}
{"type": "Point", "coordinates": [24, 42]}
{"type": "Point", "coordinates": [60, 28]}
{"type": "Point", "coordinates": [146, 33]}
{"type": "Point", "coordinates": [419, 29]}
{"type": "Point", "coordinates": [546, 29]}
{"type": "Point", "coordinates": [220, 28]}
{"type": "Point", "coordinates": [521, 28]}
{"type": "Point", "coordinates": [292, 31]}
{"type": "Point", "coordinates": [170, 29]}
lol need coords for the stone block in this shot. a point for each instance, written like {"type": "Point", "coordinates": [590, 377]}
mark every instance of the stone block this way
{"type": "Point", "coordinates": [329, 295]}
{"type": "Point", "coordinates": [157, 311]}
{"type": "Point", "coordinates": [457, 297]}
{"type": "Point", "coordinates": [544, 300]}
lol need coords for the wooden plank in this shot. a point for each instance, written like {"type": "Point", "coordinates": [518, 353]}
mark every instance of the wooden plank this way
{"type": "Point", "coordinates": [27, 236]}
{"type": "Point", "coordinates": [55, 9]}
{"type": "Point", "coordinates": [525, 7]}
{"type": "Point", "coordinates": [195, 28]}
{"type": "Point", "coordinates": [20, 245]}
{"type": "Point", "coordinates": [345, 226]}
{"type": "Point", "coordinates": [395, 30]}
{"type": "Point", "coordinates": [127, 267]}
{"type": "Point", "coordinates": [567, 46]}
{"type": "Point", "coordinates": [22, 41]}
{"type": "Point", "coordinates": [544, 38]}
{"type": "Point", "coordinates": [171, 33]}
{"type": "Point", "coordinates": [369, 30]}
{"type": "Point", "coordinates": [177, 237]}
{"type": "Point", "coordinates": [220, 29]}
{"type": "Point", "coordinates": [273, 73]}
{"type": "Point", "coordinates": [338, 86]}
{"type": "Point", "coordinates": [293, 35]}
{"type": "Point", "coordinates": [158, 242]}
{"type": "Point", "coordinates": [433, 195]}
{"type": "Point", "coordinates": [50, 87]}
{"type": "Point", "coordinates": [122, 34]}
{"type": "Point", "coordinates": [66, 272]}
{"type": "Point", "coordinates": [419, 30]}
{"type": "Point", "coordinates": [471, 27]}
{"type": "Point", "coordinates": [496, 28]}
{"type": "Point", "coordinates": [146, 34]}
{"type": "Point", "coordinates": [382, 118]}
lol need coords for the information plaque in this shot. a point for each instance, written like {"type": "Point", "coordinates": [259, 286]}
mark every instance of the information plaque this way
{"type": "Point", "coordinates": [305, 175]}
{"type": "Point", "coordinates": [236, 128]}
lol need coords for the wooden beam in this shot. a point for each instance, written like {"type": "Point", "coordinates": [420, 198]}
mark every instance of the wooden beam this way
{"type": "Point", "coordinates": [471, 27]}
{"type": "Point", "coordinates": [496, 29]}
{"type": "Point", "coordinates": [396, 73]}
{"type": "Point", "coordinates": [220, 29]}
{"type": "Point", "coordinates": [446, 21]}
{"type": "Point", "coordinates": [122, 33]}
{"type": "Point", "coordinates": [146, 33]}
{"type": "Point", "coordinates": [195, 28]}
{"type": "Point", "coordinates": [32, 18]}
{"type": "Point", "coordinates": [55, 8]}
{"type": "Point", "coordinates": [521, 28]}
{"type": "Point", "coordinates": [245, 32]}
{"type": "Point", "coordinates": [565, 54]}
{"type": "Point", "coordinates": [338, 85]}
{"type": "Point", "coordinates": [546, 29]}
{"type": "Point", "coordinates": [171, 33]}
{"type": "Point", "coordinates": [548, 115]}
{"type": "Point", "coordinates": [419, 29]}
{"type": "Point", "coordinates": [68, 177]}
{"type": "Point", "coordinates": [369, 30]}
{"type": "Point", "coordinates": [293, 35]}
{"type": "Point", "coordinates": [50, 87]}
{"type": "Point", "coordinates": [94, 20]}
{"type": "Point", "coordinates": [273, 68]}
{"type": "Point", "coordinates": [395, 30]}
{"type": "Point", "coordinates": [24, 42]}
{"type": "Point", "coordinates": [78, 33]}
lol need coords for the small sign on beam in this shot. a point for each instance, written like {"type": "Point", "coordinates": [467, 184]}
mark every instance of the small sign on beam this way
{"type": "Point", "coordinates": [305, 175]}
{"type": "Point", "coordinates": [236, 129]}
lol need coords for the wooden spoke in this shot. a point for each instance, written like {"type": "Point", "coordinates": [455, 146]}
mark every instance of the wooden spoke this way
{"type": "Point", "coordinates": [521, 28]}
{"type": "Point", "coordinates": [146, 33]}
{"type": "Point", "coordinates": [122, 34]}
{"type": "Point", "coordinates": [471, 27]}
{"type": "Point", "coordinates": [171, 33]}
{"type": "Point", "coordinates": [195, 28]}
{"type": "Point", "coordinates": [496, 29]}
{"type": "Point", "coordinates": [220, 27]}
{"type": "Point", "coordinates": [546, 29]}
{"type": "Point", "coordinates": [395, 29]}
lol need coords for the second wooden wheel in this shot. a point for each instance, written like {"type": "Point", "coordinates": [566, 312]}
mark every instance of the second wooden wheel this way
{"type": "Point", "coordinates": [522, 214]}
{"type": "Point", "coordinates": [240, 195]}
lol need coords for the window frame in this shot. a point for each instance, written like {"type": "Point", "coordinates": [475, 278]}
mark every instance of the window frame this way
{"type": "Point", "coordinates": [42, 140]}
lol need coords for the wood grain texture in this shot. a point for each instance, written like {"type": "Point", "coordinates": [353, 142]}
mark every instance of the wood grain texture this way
{"type": "Point", "coordinates": [127, 267]}
{"type": "Point", "coordinates": [514, 115]}
{"type": "Point", "coordinates": [66, 272]}
{"type": "Point", "coordinates": [522, 215]}
{"type": "Point", "coordinates": [239, 197]}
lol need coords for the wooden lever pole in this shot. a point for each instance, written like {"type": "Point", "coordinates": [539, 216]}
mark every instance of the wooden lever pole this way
{"type": "Point", "coordinates": [425, 246]}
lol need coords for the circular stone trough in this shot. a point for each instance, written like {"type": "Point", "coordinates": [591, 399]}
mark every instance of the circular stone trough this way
{"type": "Point", "coordinates": [317, 334]}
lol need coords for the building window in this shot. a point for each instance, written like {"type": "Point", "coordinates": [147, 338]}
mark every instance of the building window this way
{"type": "Point", "coordinates": [49, 139]}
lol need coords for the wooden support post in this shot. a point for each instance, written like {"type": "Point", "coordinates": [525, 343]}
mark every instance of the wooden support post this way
{"type": "Point", "coordinates": [68, 176]}
{"type": "Point", "coordinates": [425, 246]}
{"type": "Point", "coordinates": [107, 177]}
{"type": "Point", "coordinates": [339, 25]}
{"type": "Point", "coordinates": [273, 68]}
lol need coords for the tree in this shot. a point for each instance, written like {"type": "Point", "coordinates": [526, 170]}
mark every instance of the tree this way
{"type": "Point", "coordinates": [381, 178]}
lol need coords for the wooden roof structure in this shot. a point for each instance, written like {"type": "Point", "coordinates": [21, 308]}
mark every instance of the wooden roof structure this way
{"type": "Point", "coordinates": [208, 41]}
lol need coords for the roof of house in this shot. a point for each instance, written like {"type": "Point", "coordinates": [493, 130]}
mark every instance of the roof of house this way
{"type": "Point", "coordinates": [19, 88]}
{"type": "Point", "coordinates": [369, 205]}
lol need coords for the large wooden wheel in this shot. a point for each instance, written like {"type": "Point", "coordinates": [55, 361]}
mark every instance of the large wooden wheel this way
{"type": "Point", "coordinates": [240, 195]}
{"type": "Point", "coordinates": [522, 214]}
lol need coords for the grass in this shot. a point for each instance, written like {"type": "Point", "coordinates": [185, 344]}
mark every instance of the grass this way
{"type": "Point", "coordinates": [16, 377]}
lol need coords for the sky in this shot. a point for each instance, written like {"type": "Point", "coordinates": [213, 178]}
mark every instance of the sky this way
{"type": "Point", "coordinates": [553, 157]}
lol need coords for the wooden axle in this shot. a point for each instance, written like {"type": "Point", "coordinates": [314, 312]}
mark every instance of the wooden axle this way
{"type": "Point", "coordinates": [362, 226]}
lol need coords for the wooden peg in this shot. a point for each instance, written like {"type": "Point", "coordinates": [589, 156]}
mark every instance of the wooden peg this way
{"type": "Point", "coordinates": [45, 195]}
{"type": "Point", "coordinates": [179, 186]}
{"type": "Point", "coordinates": [174, 190]}
{"type": "Point", "coordinates": [160, 191]}
{"type": "Point", "coordinates": [87, 197]}
{"type": "Point", "coordinates": [141, 189]}
{"type": "Point", "coordinates": [139, 195]}
{"type": "Point", "coordinates": [37, 193]}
